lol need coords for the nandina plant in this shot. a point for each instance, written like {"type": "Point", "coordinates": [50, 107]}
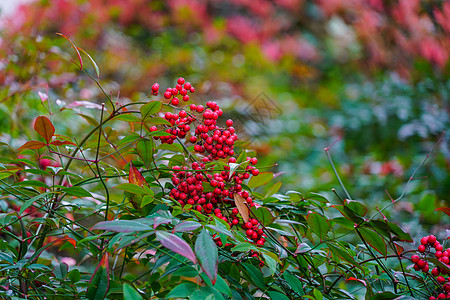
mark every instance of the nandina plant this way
{"type": "Point", "coordinates": [168, 206]}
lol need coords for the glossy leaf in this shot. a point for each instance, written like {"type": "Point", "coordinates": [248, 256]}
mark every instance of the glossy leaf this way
{"type": "Point", "coordinates": [373, 239]}
{"type": "Point", "coordinates": [176, 244]}
{"type": "Point", "coordinates": [207, 254]}
{"type": "Point", "coordinates": [182, 290]}
{"type": "Point", "coordinates": [45, 128]}
{"type": "Point", "coordinates": [122, 226]}
{"type": "Point", "coordinates": [131, 188]}
{"type": "Point", "coordinates": [150, 108]}
{"type": "Point", "coordinates": [129, 293]}
{"type": "Point", "coordinates": [260, 180]}
{"type": "Point", "coordinates": [77, 191]}
{"type": "Point", "coordinates": [135, 177]}
{"type": "Point", "coordinates": [341, 253]}
{"type": "Point", "coordinates": [32, 145]}
{"type": "Point", "coordinates": [144, 148]}
{"type": "Point", "coordinates": [318, 224]}
{"type": "Point", "coordinates": [99, 282]}
{"type": "Point", "coordinates": [186, 226]}
{"type": "Point", "coordinates": [255, 275]}
{"type": "Point", "coordinates": [294, 283]}
{"type": "Point", "coordinates": [277, 295]}
{"type": "Point", "coordinates": [97, 71]}
{"type": "Point", "coordinates": [263, 215]}
{"type": "Point", "coordinates": [127, 118]}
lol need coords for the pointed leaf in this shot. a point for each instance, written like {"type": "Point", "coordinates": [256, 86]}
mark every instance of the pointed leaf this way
{"type": "Point", "coordinates": [263, 215]}
{"type": "Point", "coordinates": [176, 244]}
{"type": "Point", "coordinates": [339, 252]}
{"type": "Point", "coordinates": [45, 128]}
{"type": "Point", "coordinates": [131, 188]}
{"type": "Point", "coordinates": [97, 71]}
{"type": "Point", "coordinates": [145, 150]}
{"type": "Point", "coordinates": [262, 179]}
{"type": "Point", "coordinates": [186, 226]}
{"type": "Point", "coordinates": [183, 290]}
{"type": "Point", "coordinates": [135, 177]}
{"type": "Point", "coordinates": [444, 210]}
{"type": "Point", "coordinates": [61, 143]}
{"type": "Point", "coordinates": [122, 226]}
{"type": "Point", "coordinates": [256, 275]}
{"type": "Point", "coordinates": [32, 145]}
{"type": "Point", "coordinates": [99, 282]}
{"type": "Point", "coordinates": [277, 295]}
{"type": "Point", "coordinates": [74, 47]}
{"type": "Point", "coordinates": [318, 224]}
{"type": "Point", "coordinates": [373, 239]}
{"type": "Point", "coordinates": [241, 206]}
{"type": "Point", "coordinates": [77, 191]}
{"type": "Point", "coordinates": [129, 293]}
{"type": "Point", "coordinates": [207, 255]}
{"type": "Point", "coordinates": [150, 108]}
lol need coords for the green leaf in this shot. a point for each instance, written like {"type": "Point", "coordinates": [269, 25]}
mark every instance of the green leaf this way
{"type": "Point", "coordinates": [150, 108]}
{"type": "Point", "coordinates": [255, 275]}
{"type": "Point", "coordinates": [273, 189]}
{"type": "Point", "coordinates": [127, 118]}
{"type": "Point", "coordinates": [271, 263]}
{"type": "Point", "coordinates": [263, 215]}
{"type": "Point", "coordinates": [373, 239]}
{"type": "Point", "coordinates": [30, 202]}
{"type": "Point", "coordinates": [32, 183]}
{"type": "Point", "coordinates": [183, 290]}
{"type": "Point", "coordinates": [145, 150]}
{"type": "Point", "coordinates": [176, 244]}
{"type": "Point", "coordinates": [318, 224]}
{"type": "Point", "coordinates": [262, 179]}
{"type": "Point", "coordinates": [77, 191]}
{"type": "Point", "coordinates": [122, 226]}
{"type": "Point", "coordinates": [171, 147]}
{"type": "Point", "coordinates": [186, 226]}
{"type": "Point", "coordinates": [129, 293]}
{"type": "Point", "coordinates": [222, 286]}
{"type": "Point", "coordinates": [187, 271]}
{"type": "Point", "coordinates": [157, 121]}
{"type": "Point", "coordinates": [128, 139]}
{"type": "Point", "coordinates": [207, 254]}
{"type": "Point", "coordinates": [147, 199]}
{"type": "Point", "coordinates": [99, 283]}
{"type": "Point", "coordinates": [131, 188]}
{"type": "Point", "coordinates": [294, 283]}
{"type": "Point", "coordinates": [277, 295]}
{"type": "Point", "coordinates": [244, 247]}
{"type": "Point", "coordinates": [384, 296]}
{"type": "Point", "coordinates": [357, 207]}
{"type": "Point", "coordinates": [317, 197]}
{"type": "Point", "coordinates": [89, 119]}
{"type": "Point", "coordinates": [97, 71]}
{"type": "Point", "coordinates": [339, 252]}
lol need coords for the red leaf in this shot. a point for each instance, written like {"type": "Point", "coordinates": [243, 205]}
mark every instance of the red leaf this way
{"type": "Point", "coordinates": [74, 47]}
{"type": "Point", "coordinates": [32, 145]}
{"type": "Point", "coordinates": [45, 128]}
{"type": "Point", "coordinates": [176, 244]}
{"type": "Point", "coordinates": [444, 210]}
{"type": "Point", "coordinates": [60, 143]}
{"type": "Point", "coordinates": [135, 176]}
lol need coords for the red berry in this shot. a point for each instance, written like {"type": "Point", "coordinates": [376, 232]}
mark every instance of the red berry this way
{"type": "Point", "coordinates": [229, 123]}
{"type": "Point", "coordinates": [415, 258]}
{"type": "Point", "coordinates": [200, 108]}
{"type": "Point", "coordinates": [421, 263]}
{"type": "Point", "coordinates": [424, 240]}
{"type": "Point", "coordinates": [440, 279]}
{"type": "Point", "coordinates": [185, 98]}
{"type": "Point", "coordinates": [438, 254]}
{"type": "Point", "coordinates": [435, 272]}
{"type": "Point", "coordinates": [187, 86]}
{"type": "Point", "coordinates": [426, 268]}
{"type": "Point", "coordinates": [255, 172]}
{"type": "Point", "coordinates": [180, 80]}
{"type": "Point", "coordinates": [153, 128]}
{"type": "Point", "coordinates": [422, 248]}
{"type": "Point", "coordinates": [254, 161]}
{"type": "Point", "coordinates": [175, 101]}
{"type": "Point", "coordinates": [167, 94]}
{"type": "Point", "coordinates": [439, 247]}
{"type": "Point", "coordinates": [431, 239]}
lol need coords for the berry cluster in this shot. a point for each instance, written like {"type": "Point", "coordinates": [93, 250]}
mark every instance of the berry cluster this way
{"type": "Point", "coordinates": [203, 185]}
{"type": "Point", "coordinates": [180, 126]}
{"type": "Point", "coordinates": [427, 243]}
{"type": "Point", "coordinates": [217, 141]}
{"type": "Point", "coordinates": [182, 88]}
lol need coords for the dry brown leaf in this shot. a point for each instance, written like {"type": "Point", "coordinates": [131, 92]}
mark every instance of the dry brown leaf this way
{"type": "Point", "coordinates": [241, 206]}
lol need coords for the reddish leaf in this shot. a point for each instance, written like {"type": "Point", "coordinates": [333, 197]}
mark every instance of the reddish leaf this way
{"type": "Point", "coordinates": [356, 279]}
{"type": "Point", "coordinates": [444, 210]}
{"type": "Point", "coordinates": [97, 71]}
{"type": "Point", "coordinates": [135, 176]}
{"type": "Point", "coordinates": [45, 128]}
{"type": "Point", "coordinates": [240, 204]}
{"type": "Point", "coordinates": [99, 283]}
{"type": "Point", "coordinates": [74, 47]}
{"type": "Point", "coordinates": [32, 145]}
{"type": "Point", "coordinates": [176, 244]}
{"type": "Point", "coordinates": [60, 143]}
{"type": "Point", "coordinates": [207, 255]}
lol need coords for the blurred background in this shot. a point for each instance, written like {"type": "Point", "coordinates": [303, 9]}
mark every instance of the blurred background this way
{"type": "Point", "coordinates": [295, 75]}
